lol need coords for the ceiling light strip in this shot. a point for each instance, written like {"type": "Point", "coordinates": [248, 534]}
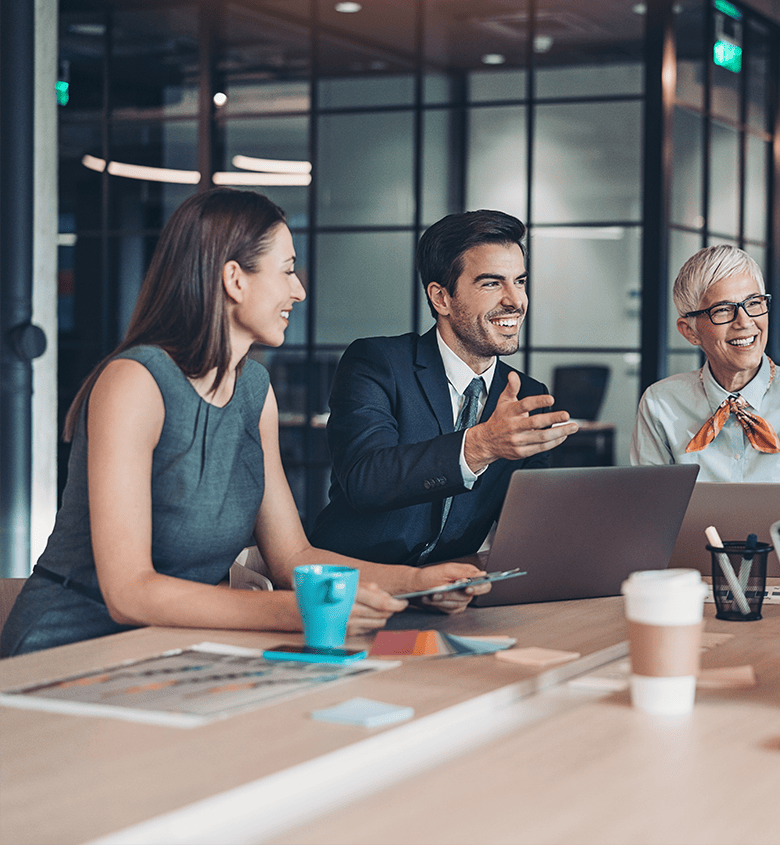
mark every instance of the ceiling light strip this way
{"type": "Point", "coordinates": [270, 165]}
{"type": "Point", "coordinates": [154, 174]}
{"type": "Point", "coordinates": [192, 177]}
{"type": "Point", "coordinates": [235, 178]}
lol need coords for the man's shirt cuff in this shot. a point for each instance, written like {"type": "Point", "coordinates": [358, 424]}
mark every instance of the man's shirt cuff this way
{"type": "Point", "coordinates": [469, 477]}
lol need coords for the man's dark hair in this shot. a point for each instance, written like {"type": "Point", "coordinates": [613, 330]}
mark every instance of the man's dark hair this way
{"type": "Point", "coordinates": [441, 248]}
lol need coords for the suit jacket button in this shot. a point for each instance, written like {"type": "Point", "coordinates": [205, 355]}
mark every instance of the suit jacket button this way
{"type": "Point", "coordinates": [427, 484]}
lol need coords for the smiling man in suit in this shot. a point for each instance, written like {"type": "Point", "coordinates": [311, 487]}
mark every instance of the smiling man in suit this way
{"type": "Point", "coordinates": [425, 431]}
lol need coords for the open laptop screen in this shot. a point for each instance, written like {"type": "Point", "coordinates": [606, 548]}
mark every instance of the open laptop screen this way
{"type": "Point", "coordinates": [736, 510]}
{"type": "Point", "coordinates": [579, 532]}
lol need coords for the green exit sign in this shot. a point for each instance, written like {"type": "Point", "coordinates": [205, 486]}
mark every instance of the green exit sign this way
{"type": "Point", "coordinates": [727, 55]}
{"type": "Point", "coordinates": [727, 51]}
{"type": "Point", "coordinates": [728, 9]}
{"type": "Point", "coordinates": [63, 92]}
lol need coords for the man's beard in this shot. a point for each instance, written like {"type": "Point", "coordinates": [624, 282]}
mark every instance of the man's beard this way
{"type": "Point", "coordinates": [477, 339]}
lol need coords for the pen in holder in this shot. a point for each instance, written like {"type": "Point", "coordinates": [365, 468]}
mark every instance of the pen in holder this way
{"type": "Point", "coordinates": [746, 564]}
{"type": "Point", "coordinates": [738, 597]}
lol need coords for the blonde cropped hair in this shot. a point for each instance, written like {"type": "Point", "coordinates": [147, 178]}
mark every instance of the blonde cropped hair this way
{"type": "Point", "coordinates": [707, 267]}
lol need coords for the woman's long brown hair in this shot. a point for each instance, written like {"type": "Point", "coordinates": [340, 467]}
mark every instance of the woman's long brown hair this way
{"type": "Point", "coordinates": [181, 305]}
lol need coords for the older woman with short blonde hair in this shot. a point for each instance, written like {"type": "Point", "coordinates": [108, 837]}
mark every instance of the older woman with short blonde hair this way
{"type": "Point", "coordinates": [725, 415]}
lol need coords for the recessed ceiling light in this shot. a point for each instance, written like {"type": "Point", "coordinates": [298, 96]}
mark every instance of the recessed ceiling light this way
{"type": "Point", "coordinates": [348, 8]}
{"type": "Point", "coordinates": [641, 8]}
{"type": "Point", "coordinates": [87, 29]}
{"type": "Point", "coordinates": [542, 43]}
{"type": "Point", "coordinates": [493, 59]}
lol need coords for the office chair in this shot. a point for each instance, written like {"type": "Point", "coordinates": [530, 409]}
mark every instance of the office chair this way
{"type": "Point", "coordinates": [250, 572]}
{"type": "Point", "coordinates": [9, 590]}
{"type": "Point", "coordinates": [580, 389]}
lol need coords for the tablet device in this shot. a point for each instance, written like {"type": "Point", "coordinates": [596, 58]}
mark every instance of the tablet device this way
{"type": "Point", "coordinates": [462, 583]}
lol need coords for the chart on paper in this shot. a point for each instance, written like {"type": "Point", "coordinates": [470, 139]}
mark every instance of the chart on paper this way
{"type": "Point", "coordinates": [185, 687]}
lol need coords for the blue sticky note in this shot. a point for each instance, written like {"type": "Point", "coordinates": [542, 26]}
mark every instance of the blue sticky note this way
{"type": "Point", "coordinates": [467, 645]}
{"type": "Point", "coordinates": [364, 712]}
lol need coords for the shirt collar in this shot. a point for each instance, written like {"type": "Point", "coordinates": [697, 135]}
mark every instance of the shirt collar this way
{"type": "Point", "coordinates": [753, 392]}
{"type": "Point", "coordinates": [458, 372]}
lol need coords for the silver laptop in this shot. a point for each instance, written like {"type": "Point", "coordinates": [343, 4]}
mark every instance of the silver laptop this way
{"type": "Point", "coordinates": [736, 510]}
{"type": "Point", "coordinates": [578, 533]}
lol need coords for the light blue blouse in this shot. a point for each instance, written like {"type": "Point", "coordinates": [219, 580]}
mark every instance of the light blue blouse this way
{"type": "Point", "coordinates": [672, 410]}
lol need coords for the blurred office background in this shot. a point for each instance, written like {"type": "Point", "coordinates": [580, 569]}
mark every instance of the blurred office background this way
{"type": "Point", "coordinates": [626, 135]}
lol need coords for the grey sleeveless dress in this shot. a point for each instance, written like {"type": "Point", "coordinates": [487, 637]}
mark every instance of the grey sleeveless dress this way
{"type": "Point", "coordinates": [207, 486]}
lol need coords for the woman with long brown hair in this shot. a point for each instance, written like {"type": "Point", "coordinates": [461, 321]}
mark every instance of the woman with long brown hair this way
{"type": "Point", "coordinates": [175, 463]}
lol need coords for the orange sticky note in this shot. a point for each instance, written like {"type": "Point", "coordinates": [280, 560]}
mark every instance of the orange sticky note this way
{"type": "Point", "coordinates": [394, 643]}
{"type": "Point", "coordinates": [729, 677]}
{"type": "Point", "coordinates": [711, 640]}
{"type": "Point", "coordinates": [426, 643]}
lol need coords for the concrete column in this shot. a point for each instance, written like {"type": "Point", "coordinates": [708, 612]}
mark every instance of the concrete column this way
{"type": "Point", "coordinates": [45, 208]}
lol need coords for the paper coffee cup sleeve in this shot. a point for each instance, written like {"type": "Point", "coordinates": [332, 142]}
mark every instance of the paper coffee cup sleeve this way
{"type": "Point", "coordinates": [664, 651]}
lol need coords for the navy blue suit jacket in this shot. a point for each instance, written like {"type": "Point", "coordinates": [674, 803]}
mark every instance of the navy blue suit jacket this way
{"type": "Point", "coordinates": [396, 456]}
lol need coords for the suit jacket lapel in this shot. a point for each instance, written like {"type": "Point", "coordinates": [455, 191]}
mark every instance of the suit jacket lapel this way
{"type": "Point", "coordinates": [432, 379]}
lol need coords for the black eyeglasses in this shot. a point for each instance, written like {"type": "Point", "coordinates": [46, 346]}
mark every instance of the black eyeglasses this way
{"type": "Point", "coordinates": [726, 312]}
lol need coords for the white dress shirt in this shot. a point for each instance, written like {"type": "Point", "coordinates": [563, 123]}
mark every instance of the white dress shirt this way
{"type": "Point", "coordinates": [459, 377]}
{"type": "Point", "coordinates": [673, 410]}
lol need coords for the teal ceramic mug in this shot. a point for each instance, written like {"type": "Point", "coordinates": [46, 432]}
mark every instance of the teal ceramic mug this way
{"type": "Point", "coordinates": [325, 595]}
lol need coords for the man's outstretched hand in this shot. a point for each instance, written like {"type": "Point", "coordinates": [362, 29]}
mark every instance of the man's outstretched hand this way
{"type": "Point", "coordinates": [512, 432]}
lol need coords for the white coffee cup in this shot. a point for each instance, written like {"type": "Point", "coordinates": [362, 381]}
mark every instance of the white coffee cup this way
{"type": "Point", "coordinates": [664, 611]}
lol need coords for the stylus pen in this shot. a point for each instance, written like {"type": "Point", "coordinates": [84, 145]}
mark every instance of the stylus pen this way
{"type": "Point", "coordinates": [725, 564]}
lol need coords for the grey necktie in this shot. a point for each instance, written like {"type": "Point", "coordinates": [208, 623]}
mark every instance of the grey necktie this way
{"type": "Point", "coordinates": [467, 417]}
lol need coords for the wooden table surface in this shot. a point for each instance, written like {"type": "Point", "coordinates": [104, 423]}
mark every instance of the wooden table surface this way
{"type": "Point", "coordinates": [66, 778]}
{"type": "Point", "coordinates": [602, 772]}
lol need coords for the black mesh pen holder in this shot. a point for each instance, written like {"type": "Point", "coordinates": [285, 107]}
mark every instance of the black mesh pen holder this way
{"type": "Point", "coordinates": [739, 580]}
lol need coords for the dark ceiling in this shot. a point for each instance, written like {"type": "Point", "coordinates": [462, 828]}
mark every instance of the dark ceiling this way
{"type": "Point", "coordinates": [272, 39]}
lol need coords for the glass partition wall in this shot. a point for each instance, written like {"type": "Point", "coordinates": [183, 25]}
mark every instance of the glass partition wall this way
{"type": "Point", "coordinates": [368, 125]}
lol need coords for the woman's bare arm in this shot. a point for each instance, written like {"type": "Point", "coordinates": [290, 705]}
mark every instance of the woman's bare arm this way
{"type": "Point", "coordinates": [125, 418]}
{"type": "Point", "coordinates": [284, 545]}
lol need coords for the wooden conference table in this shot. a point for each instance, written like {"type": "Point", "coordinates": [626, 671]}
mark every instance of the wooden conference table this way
{"type": "Point", "coordinates": [495, 752]}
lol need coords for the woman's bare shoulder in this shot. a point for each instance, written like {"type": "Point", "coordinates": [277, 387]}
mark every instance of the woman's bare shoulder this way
{"type": "Point", "coordinates": [126, 374]}
{"type": "Point", "coordinates": [126, 393]}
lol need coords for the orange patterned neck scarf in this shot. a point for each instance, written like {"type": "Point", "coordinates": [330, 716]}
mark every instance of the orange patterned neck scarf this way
{"type": "Point", "coordinates": [757, 430]}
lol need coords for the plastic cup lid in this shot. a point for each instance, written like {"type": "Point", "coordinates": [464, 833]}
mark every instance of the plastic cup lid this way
{"type": "Point", "coordinates": [662, 580]}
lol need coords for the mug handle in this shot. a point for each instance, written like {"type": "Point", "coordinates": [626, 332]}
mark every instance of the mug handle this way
{"type": "Point", "coordinates": [335, 591]}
